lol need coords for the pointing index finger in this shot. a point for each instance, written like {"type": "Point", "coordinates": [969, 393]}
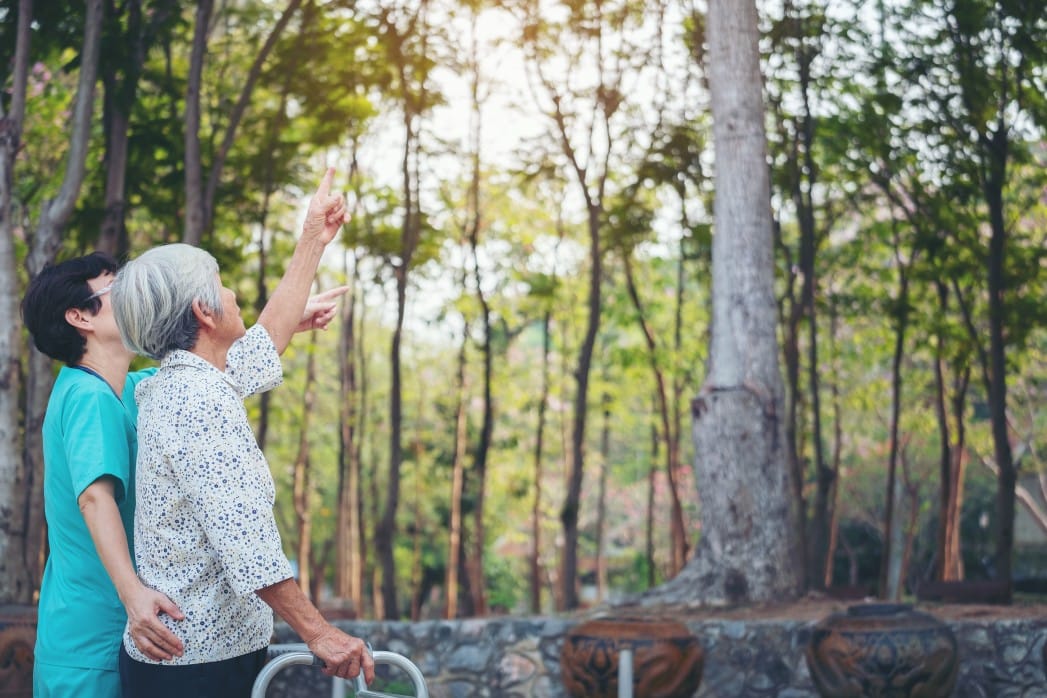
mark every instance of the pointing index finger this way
{"type": "Point", "coordinates": [325, 184]}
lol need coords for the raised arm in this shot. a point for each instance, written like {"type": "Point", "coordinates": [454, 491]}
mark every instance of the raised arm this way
{"type": "Point", "coordinates": [325, 216]}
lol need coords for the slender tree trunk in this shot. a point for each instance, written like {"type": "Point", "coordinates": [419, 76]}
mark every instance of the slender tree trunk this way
{"type": "Point", "coordinates": [572, 502]}
{"type": "Point", "coordinates": [890, 571]}
{"type": "Point", "coordinates": [461, 439]}
{"type": "Point", "coordinates": [806, 182]}
{"type": "Point", "coordinates": [17, 550]}
{"type": "Point", "coordinates": [677, 528]}
{"type": "Point", "coordinates": [479, 587]}
{"type": "Point", "coordinates": [539, 442]}
{"type": "Point", "coordinates": [948, 407]}
{"type": "Point", "coordinates": [347, 550]}
{"type": "Point", "coordinates": [385, 534]}
{"type": "Point", "coordinates": [412, 97]}
{"type": "Point", "coordinates": [1007, 476]}
{"type": "Point", "coordinates": [303, 516]}
{"type": "Point", "coordinates": [274, 130]}
{"type": "Point", "coordinates": [954, 558]}
{"type": "Point", "coordinates": [194, 169]}
{"type": "Point", "coordinates": [200, 194]}
{"type": "Point", "coordinates": [417, 572]}
{"type": "Point", "coordinates": [112, 235]}
{"type": "Point", "coordinates": [652, 479]}
{"type": "Point", "coordinates": [834, 512]}
{"type": "Point", "coordinates": [601, 502]}
{"type": "Point", "coordinates": [121, 88]}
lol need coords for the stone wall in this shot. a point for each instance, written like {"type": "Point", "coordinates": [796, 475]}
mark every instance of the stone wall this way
{"type": "Point", "coordinates": [519, 657]}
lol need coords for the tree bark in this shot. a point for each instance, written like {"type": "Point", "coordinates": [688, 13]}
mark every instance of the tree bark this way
{"type": "Point", "coordinates": [539, 442]}
{"type": "Point", "coordinates": [303, 516]}
{"type": "Point", "coordinates": [677, 528]}
{"type": "Point", "coordinates": [461, 437]}
{"type": "Point", "coordinates": [483, 447]}
{"type": "Point", "coordinates": [348, 563]}
{"type": "Point", "coordinates": [200, 194]}
{"type": "Point", "coordinates": [16, 550]}
{"type": "Point", "coordinates": [121, 87]}
{"type": "Point", "coordinates": [601, 501]}
{"type": "Point", "coordinates": [194, 169]}
{"type": "Point", "coordinates": [749, 550]}
{"type": "Point", "coordinates": [890, 571]}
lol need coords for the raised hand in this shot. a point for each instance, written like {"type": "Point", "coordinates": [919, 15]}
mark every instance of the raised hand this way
{"type": "Point", "coordinates": [327, 212]}
{"type": "Point", "coordinates": [320, 309]}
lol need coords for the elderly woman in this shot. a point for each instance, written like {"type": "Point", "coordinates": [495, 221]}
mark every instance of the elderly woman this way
{"type": "Point", "coordinates": [205, 534]}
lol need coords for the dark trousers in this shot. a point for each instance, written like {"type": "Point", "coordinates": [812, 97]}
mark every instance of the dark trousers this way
{"type": "Point", "coordinates": [228, 678]}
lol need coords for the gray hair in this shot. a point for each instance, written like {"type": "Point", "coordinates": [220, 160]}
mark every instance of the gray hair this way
{"type": "Point", "coordinates": [153, 298]}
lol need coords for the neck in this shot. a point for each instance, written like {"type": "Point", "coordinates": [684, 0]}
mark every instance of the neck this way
{"type": "Point", "coordinates": [210, 351]}
{"type": "Point", "coordinates": [110, 365]}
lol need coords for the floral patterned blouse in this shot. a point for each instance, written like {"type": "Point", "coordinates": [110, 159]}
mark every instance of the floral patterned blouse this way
{"type": "Point", "coordinates": [205, 534]}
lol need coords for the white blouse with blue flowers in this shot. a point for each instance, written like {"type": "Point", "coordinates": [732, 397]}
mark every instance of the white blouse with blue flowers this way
{"type": "Point", "coordinates": [205, 534]}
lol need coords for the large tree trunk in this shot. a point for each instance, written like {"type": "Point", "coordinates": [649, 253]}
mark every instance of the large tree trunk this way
{"type": "Point", "coordinates": [749, 545]}
{"type": "Point", "coordinates": [16, 578]}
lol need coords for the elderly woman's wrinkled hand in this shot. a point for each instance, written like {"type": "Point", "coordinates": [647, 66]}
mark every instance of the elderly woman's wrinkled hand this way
{"type": "Point", "coordinates": [343, 655]}
{"type": "Point", "coordinates": [320, 310]}
{"type": "Point", "coordinates": [327, 212]}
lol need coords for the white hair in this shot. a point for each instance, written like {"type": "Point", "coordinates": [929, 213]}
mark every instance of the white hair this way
{"type": "Point", "coordinates": [153, 298]}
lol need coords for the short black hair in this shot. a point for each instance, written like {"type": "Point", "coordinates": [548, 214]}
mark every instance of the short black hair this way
{"type": "Point", "coordinates": [56, 289]}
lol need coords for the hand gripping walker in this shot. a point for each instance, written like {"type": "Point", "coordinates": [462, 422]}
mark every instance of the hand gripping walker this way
{"type": "Point", "coordinates": [299, 654]}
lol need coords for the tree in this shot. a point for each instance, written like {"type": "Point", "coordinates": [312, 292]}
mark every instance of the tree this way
{"type": "Point", "coordinates": [748, 550]}
{"type": "Point", "coordinates": [200, 194]}
{"type": "Point", "coordinates": [976, 81]}
{"type": "Point", "coordinates": [45, 242]}
{"type": "Point", "coordinates": [128, 38]}
{"type": "Point", "coordinates": [583, 67]}
{"type": "Point", "coordinates": [405, 37]}
{"type": "Point", "coordinates": [16, 549]}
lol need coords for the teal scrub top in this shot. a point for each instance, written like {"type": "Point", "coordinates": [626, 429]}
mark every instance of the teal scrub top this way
{"type": "Point", "coordinates": [88, 432]}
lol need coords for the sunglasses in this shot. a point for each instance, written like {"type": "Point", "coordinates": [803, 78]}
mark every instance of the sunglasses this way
{"type": "Point", "coordinates": [101, 292]}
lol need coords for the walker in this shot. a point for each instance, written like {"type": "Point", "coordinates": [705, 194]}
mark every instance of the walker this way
{"type": "Point", "coordinates": [297, 653]}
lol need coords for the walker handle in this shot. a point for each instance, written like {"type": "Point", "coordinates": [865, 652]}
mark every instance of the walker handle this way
{"type": "Point", "coordinates": [304, 657]}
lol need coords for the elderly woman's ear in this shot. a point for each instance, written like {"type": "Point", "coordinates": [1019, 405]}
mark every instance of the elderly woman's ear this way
{"type": "Point", "coordinates": [203, 314]}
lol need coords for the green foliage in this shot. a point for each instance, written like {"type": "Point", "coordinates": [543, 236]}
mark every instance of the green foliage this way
{"type": "Point", "coordinates": [892, 155]}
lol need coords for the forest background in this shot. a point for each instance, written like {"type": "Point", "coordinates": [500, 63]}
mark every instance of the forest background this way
{"type": "Point", "coordinates": [499, 420]}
